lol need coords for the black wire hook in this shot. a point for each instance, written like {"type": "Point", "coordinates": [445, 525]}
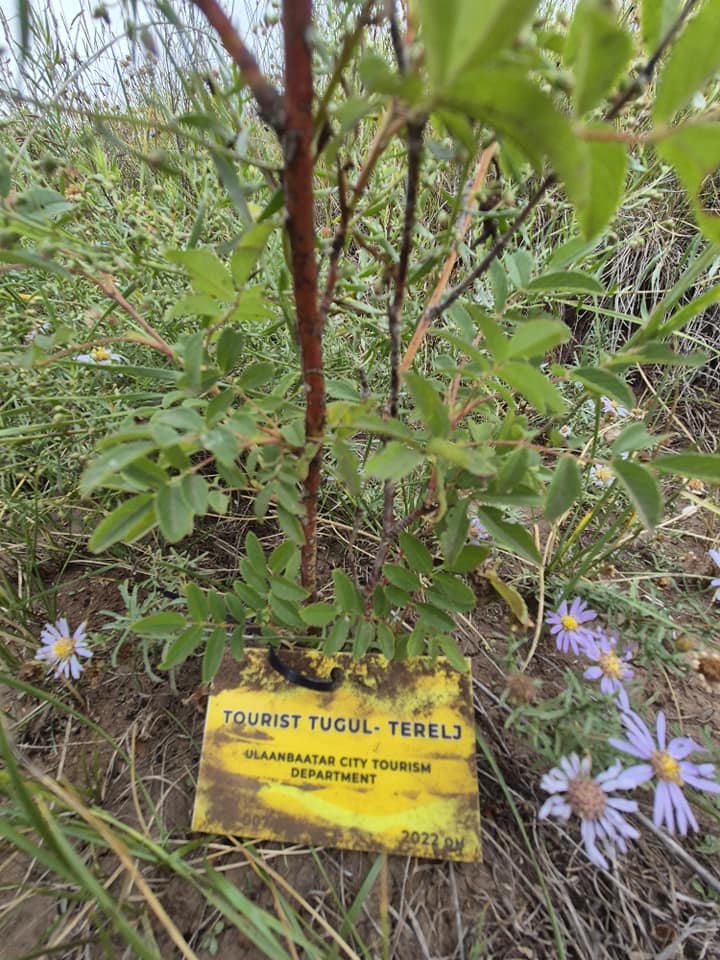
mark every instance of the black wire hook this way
{"type": "Point", "coordinates": [300, 679]}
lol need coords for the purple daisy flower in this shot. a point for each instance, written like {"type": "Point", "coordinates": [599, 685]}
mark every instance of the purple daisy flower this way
{"type": "Point", "coordinates": [575, 791]}
{"type": "Point", "coordinates": [566, 623]}
{"type": "Point", "coordinates": [715, 557]}
{"type": "Point", "coordinates": [477, 532]}
{"type": "Point", "coordinates": [668, 764]}
{"type": "Point", "coordinates": [610, 669]}
{"type": "Point", "coordinates": [61, 650]}
{"type": "Point", "coordinates": [614, 408]}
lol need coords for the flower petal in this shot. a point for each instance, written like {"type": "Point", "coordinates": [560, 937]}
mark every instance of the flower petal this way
{"type": "Point", "coordinates": [588, 834]}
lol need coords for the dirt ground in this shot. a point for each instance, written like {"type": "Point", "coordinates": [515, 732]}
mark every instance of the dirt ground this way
{"type": "Point", "coordinates": [650, 906]}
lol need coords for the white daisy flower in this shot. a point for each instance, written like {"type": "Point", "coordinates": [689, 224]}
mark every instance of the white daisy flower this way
{"type": "Point", "coordinates": [601, 475]}
{"type": "Point", "coordinates": [62, 650]}
{"type": "Point", "coordinates": [101, 356]}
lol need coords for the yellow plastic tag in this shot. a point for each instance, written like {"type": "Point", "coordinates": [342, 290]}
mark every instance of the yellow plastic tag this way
{"type": "Point", "coordinates": [384, 762]}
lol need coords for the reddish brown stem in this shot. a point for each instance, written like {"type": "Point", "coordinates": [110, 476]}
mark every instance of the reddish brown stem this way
{"type": "Point", "coordinates": [269, 101]}
{"type": "Point", "coordinates": [297, 148]}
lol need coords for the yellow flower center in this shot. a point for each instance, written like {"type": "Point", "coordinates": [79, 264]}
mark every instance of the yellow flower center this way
{"type": "Point", "coordinates": [610, 665]}
{"type": "Point", "coordinates": [99, 354]}
{"type": "Point", "coordinates": [570, 623]}
{"type": "Point", "coordinates": [666, 767]}
{"type": "Point", "coordinates": [64, 648]}
{"type": "Point", "coordinates": [603, 474]}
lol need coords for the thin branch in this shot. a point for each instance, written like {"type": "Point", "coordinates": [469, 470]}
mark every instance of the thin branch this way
{"type": "Point", "coordinates": [269, 101]}
{"type": "Point", "coordinates": [415, 134]}
{"type": "Point", "coordinates": [349, 44]}
{"type": "Point", "coordinates": [106, 283]}
{"type": "Point", "coordinates": [388, 128]}
{"type": "Point", "coordinates": [425, 320]}
{"type": "Point", "coordinates": [297, 149]}
{"type": "Point", "coordinates": [497, 248]}
{"type": "Point", "coordinates": [645, 75]}
{"type": "Point", "coordinates": [338, 243]}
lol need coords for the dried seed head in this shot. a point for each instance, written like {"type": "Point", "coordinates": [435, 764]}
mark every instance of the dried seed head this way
{"type": "Point", "coordinates": [707, 667]}
{"type": "Point", "coordinates": [521, 688]}
{"type": "Point", "coordinates": [587, 799]}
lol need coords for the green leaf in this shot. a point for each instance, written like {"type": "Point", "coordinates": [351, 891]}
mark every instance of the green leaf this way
{"type": "Point", "coordinates": [643, 490]}
{"type": "Point", "coordinates": [510, 595]}
{"type": "Point", "coordinates": [469, 559]}
{"type": "Point", "coordinates": [248, 252]}
{"type": "Point", "coordinates": [256, 375]}
{"type": "Point", "coordinates": [363, 638]}
{"type": "Point", "coordinates": [111, 462]}
{"type": "Point", "coordinates": [179, 650]}
{"type": "Point", "coordinates": [280, 556]}
{"type": "Point", "coordinates": [393, 462]}
{"type": "Point", "coordinates": [698, 466]}
{"type": "Point", "coordinates": [285, 612]}
{"type": "Point", "coordinates": [206, 271]}
{"type": "Point", "coordinates": [534, 338]}
{"type": "Point", "coordinates": [457, 33]}
{"type": "Point", "coordinates": [173, 513]}
{"type": "Point", "coordinates": [223, 443]}
{"type": "Point", "coordinates": [180, 418]}
{"type": "Point", "coordinates": [498, 282]}
{"type": "Point", "coordinates": [511, 535]}
{"type": "Point", "coordinates": [433, 618]}
{"type": "Point", "coordinates": [287, 589]}
{"type": "Point", "coordinates": [337, 637]}
{"type": "Point", "coordinates": [250, 597]}
{"type": "Point", "coordinates": [235, 608]}
{"type": "Point", "coordinates": [519, 265]}
{"type": "Point", "coordinates": [416, 553]}
{"type": "Point", "coordinates": [448, 592]}
{"type": "Point", "coordinates": [693, 59]}
{"type": "Point", "coordinates": [562, 281]}
{"type": "Point", "coordinates": [533, 385]}
{"type": "Point", "coordinates": [348, 466]}
{"type": "Point", "coordinates": [213, 654]}
{"type": "Point", "coordinates": [385, 639]}
{"type": "Point", "coordinates": [347, 596]}
{"type": "Point", "coordinates": [656, 18]}
{"type": "Point", "coordinates": [290, 526]}
{"type": "Point", "coordinates": [449, 647]}
{"type": "Point", "coordinates": [159, 624]}
{"type": "Point", "coordinates": [596, 195]}
{"type": "Point", "coordinates": [127, 522]}
{"type": "Point", "coordinates": [237, 643]}
{"type": "Point", "coordinates": [197, 603]}
{"type": "Point", "coordinates": [694, 151]}
{"type": "Point", "coordinates": [401, 577]}
{"type": "Point", "coordinates": [454, 537]}
{"type": "Point", "coordinates": [196, 491]}
{"type": "Point", "coordinates": [318, 614]}
{"type": "Point", "coordinates": [634, 437]}
{"type": "Point", "coordinates": [565, 488]}
{"type": "Point", "coordinates": [255, 553]}
{"type": "Point", "coordinates": [496, 341]}
{"type": "Point", "coordinates": [598, 50]}
{"type": "Point", "coordinates": [602, 382]}
{"type": "Point", "coordinates": [433, 411]}
{"type": "Point", "coordinates": [230, 347]}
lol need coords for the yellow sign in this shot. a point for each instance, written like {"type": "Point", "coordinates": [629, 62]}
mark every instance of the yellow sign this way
{"type": "Point", "coordinates": [386, 761]}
